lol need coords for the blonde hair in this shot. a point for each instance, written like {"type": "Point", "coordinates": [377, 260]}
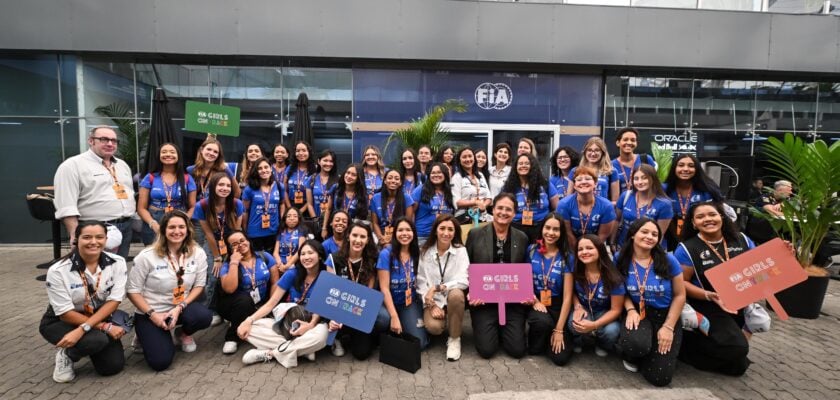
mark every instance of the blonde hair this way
{"type": "Point", "coordinates": [533, 146]}
{"type": "Point", "coordinates": [380, 166]}
{"type": "Point", "coordinates": [603, 167]}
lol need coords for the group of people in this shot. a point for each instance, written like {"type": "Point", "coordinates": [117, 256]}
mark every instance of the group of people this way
{"type": "Point", "coordinates": [618, 257]}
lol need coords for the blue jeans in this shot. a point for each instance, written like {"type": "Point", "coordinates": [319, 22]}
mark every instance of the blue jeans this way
{"type": "Point", "coordinates": [158, 349]}
{"type": "Point", "coordinates": [127, 230]}
{"type": "Point", "coordinates": [606, 336]}
{"type": "Point", "coordinates": [411, 319]}
{"type": "Point", "coordinates": [148, 235]}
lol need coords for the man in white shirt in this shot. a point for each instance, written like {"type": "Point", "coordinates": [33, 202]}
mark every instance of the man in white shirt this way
{"type": "Point", "coordinates": [95, 185]}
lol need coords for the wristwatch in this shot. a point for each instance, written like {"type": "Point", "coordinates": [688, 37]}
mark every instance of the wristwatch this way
{"type": "Point", "coordinates": [149, 313]}
{"type": "Point", "coordinates": [85, 327]}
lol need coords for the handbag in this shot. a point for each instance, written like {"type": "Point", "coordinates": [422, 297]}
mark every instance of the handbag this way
{"type": "Point", "coordinates": [283, 325]}
{"type": "Point", "coordinates": [400, 351]}
{"type": "Point", "coordinates": [123, 320]}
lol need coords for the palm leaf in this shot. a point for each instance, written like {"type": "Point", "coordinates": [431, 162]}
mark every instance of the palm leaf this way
{"type": "Point", "coordinates": [426, 130]}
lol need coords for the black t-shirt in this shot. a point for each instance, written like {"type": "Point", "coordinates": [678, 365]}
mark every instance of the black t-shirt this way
{"type": "Point", "coordinates": [504, 255]}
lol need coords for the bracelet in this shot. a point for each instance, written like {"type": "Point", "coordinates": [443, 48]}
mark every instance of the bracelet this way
{"type": "Point", "coordinates": [557, 331]}
{"type": "Point", "coordinates": [630, 309]}
{"type": "Point", "coordinates": [670, 328]}
{"type": "Point", "coordinates": [217, 259]}
{"type": "Point", "coordinates": [183, 305]}
{"type": "Point", "coordinates": [108, 327]}
{"type": "Point", "coordinates": [706, 294]}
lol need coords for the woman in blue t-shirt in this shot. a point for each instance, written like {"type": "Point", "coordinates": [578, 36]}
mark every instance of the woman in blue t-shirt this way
{"type": "Point", "coordinates": [165, 188]}
{"type": "Point", "coordinates": [561, 167]}
{"type": "Point", "coordinates": [289, 239]}
{"type": "Point", "coordinates": [532, 192]}
{"type": "Point", "coordinates": [310, 336]}
{"type": "Point", "coordinates": [253, 154]}
{"type": "Point", "coordinates": [410, 171]}
{"type": "Point", "coordinates": [627, 161]}
{"type": "Point", "coordinates": [300, 170]}
{"type": "Point", "coordinates": [595, 156]}
{"type": "Point", "coordinates": [336, 231]}
{"type": "Point", "coordinates": [432, 199]}
{"type": "Point", "coordinates": [374, 170]}
{"type": "Point", "coordinates": [388, 205]}
{"type": "Point", "coordinates": [350, 194]}
{"type": "Point", "coordinates": [280, 168]}
{"type": "Point", "coordinates": [583, 212]}
{"type": "Point", "coordinates": [553, 293]}
{"type": "Point", "coordinates": [321, 188]}
{"type": "Point", "coordinates": [646, 199]}
{"type": "Point", "coordinates": [652, 332]}
{"type": "Point", "coordinates": [263, 200]}
{"type": "Point", "coordinates": [687, 184]}
{"type": "Point", "coordinates": [245, 282]}
{"type": "Point", "coordinates": [396, 271]}
{"type": "Point", "coordinates": [599, 295]}
{"type": "Point", "coordinates": [210, 160]}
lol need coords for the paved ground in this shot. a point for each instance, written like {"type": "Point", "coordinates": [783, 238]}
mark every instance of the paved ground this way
{"type": "Point", "coordinates": [798, 359]}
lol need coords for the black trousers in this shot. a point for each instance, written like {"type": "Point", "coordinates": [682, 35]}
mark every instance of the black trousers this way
{"type": "Point", "coordinates": [106, 354]}
{"type": "Point", "coordinates": [641, 347]}
{"type": "Point", "coordinates": [234, 308]}
{"type": "Point", "coordinates": [263, 243]}
{"type": "Point", "coordinates": [540, 328]}
{"type": "Point", "coordinates": [359, 344]}
{"type": "Point", "coordinates": [489, 334]}
{"type": "Point", "coordinates": [724, 350]}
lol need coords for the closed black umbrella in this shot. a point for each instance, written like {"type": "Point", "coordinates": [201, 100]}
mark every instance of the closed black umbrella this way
{"type": "Point", "coordinates": [161, 130]}
{"type": "Point", "coordinates": [302, 131]}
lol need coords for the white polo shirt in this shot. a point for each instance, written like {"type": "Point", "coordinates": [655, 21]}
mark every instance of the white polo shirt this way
{"type": "Point", "coordinates": [66, 290]}
{"type": "Point", "coordinates": [84, 188]}
{"type": "Point", "coordinates": [155, 279]}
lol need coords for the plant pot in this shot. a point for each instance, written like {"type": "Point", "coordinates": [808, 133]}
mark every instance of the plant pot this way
{"type": "Point", "coordinates": [804, 300]}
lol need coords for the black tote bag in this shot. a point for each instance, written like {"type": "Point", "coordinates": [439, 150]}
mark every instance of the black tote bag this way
{"type": "Point", "coordinates": [400, 351]}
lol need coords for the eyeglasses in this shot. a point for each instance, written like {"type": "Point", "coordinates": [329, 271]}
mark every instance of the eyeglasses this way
{"type": "Point", "coordinates": [106, 140]}
{"type": "Point", "coordinates": [563, 158]}
{"type": "Point", "coordinates": [239, 243]}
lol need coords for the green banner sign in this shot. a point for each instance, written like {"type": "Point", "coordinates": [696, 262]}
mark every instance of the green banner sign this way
{"type": "Point", "coordinates": [211, 118]}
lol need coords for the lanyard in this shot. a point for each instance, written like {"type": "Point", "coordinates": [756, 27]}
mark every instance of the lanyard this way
{"type": "Point", "coordinates": [267, 198]}
{"type": "Point", "coordinates": [628, 173]}
{"type": "Point", "coordinates": [442, 268]}
{"type": "Point", "coordinates": [714, 249]}
{"type": "Point", "coordinates": [474, 181]}
{"type": "Point", "coordinates": [87, 306]}
{"type": "Point", "coordinates": [524, 191]}
{"type": "Point", "coordinates": [279, 174]}
{"type": "Point", "coordinates": [370, 181]}
{"type": "Point", "coordinates": [684, 204]}
{"type": "Point", "coordinates": [584, 224]}
{"type": "Point", "coordinates": [322, 186]}
{"type": "Point", "coordinates": [113, 171]}
{"type": "Point", "coordinates": [220, 220]}
{"type": "Point", "coordinates": [299, 177]}
{"type": "Point", "coordinates": [639, 285]}
{"type": "Point", "coordinates": [168, 193]}
{"type": "Point", "coordinates": [441, 201]}
{"type": "Point", "coordinates": [177, 267]}
{"type": "Point", "coordinates": [641, 208]}
{"type": "Point", "coordinates": [407, 268]}
{"type": "Point", "coordinates": [591, 290]}
{"type": "Point", "coordinates": [391, 205]}
{"type": "Point", "coordinates": [291, 241]}
{"type": "Point", "coordinates": [348, 201]}
{"type": "Point", "coordinates": [546, 273]}
{"type": "Point", "coordinates": [252, 273]}
{"type": "Point", "coordinates": [354, 277]}
{"type": "Point", "coordinates": [306, 287]}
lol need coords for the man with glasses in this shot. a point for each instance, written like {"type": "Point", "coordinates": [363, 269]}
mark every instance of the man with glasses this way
{"type": "Point", "coordinates": [771, 203]}
{"type": "Point", "coordinates": [95, 185]}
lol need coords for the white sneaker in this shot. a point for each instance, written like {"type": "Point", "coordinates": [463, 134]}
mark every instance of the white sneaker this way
{"type": "Point", "coordinates": [453, 349]}
{"type": "Point", "coordinates": [310, 356]}
{"type": "Point", "coordinates": [338, 349]}
{"type": "Point", "coordinates": [600, 352]}
{"type": "Point", "coordinates": [63, 371]}
{"type": "Point", "coordinates": [630, 367]}
{"type": "Point", "coordinates": [135, 344]}
{"type": "Point", "coordinates": [229, 347]}
{"type": "Point", "coordinates": [187, 343]}
{"type": "Point", "coordinates": [254, 356]}
{"type": "Point", "coordinates": [217, 320]}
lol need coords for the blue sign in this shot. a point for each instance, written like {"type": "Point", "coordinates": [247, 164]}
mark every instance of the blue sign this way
{"type": "Point", "coordinates": [346, 302]}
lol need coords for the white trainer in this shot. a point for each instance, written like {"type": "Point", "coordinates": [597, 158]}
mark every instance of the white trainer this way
{"type": "Point", "coordinates": [310, 356]}
{"type": "Point", "coordinates": [630, 367]}
{"type": "Point", "coordinates": [187, 343]}
{"type": "Point", "coordinates": [338, 349]}
{"type": "Point", "coordinates": [254, 356]}
{"type": "Point", "coordinates": [217, 320]}
{"type": "Point", "coordinates": [453, 349]}
{"type": "Point", "coordinates": [600, 352]}
{"type": "Point", "coordinates": [63, 371]}
{"type": "Point", "coordinates": [229, 347]}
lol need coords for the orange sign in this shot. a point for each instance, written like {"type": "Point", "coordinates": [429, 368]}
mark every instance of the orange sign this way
{"type": "Point", "coordinates": [757, 274]}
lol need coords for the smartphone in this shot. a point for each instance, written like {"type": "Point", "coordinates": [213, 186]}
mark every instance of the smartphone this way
{"type": "Point", "coordinates": [168, 321]}
{"type": "Point", "coordinates": [295, 326]}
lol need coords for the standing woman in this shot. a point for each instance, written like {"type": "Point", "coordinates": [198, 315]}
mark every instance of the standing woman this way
{"type": "Point", "coordinates": [164, 285]}
{"type": "Point", "coordinates": [442, 282]}
{"type": "Point", "coordinates": [687, 184]}
{"type": "Point", "coordinates": [446, 156]}
{"type": "Point", "coordinates": [388, 205]}
{"type": "Point", "coordinates": [209, 161]}
{"type": "Point", "coordinates": [309, 337]}
{"type": "Point", "coordinates": [599, 296]}
{"type": "Point", "coordinates": [355, 261]}
{"type": "Point", "coordinates": [350, 194]}
{"type": "Point", "coordinates": [165, 188]}
{"type": "Point", "coordinates": [253, 153]}
{"type": "Point", "coordinates": [711, 239]}
{"type": "Point", "coordinates": [627, 161]}
{"type": "Point", "coordinates": [289, 240]}
{"type": "Point", "coordinates": [532, 200]}
{"type": "Point", "coordinates": [498, 243]}
{"type": "Point", "coordinates": [263, 200]}
{"type": "Point", "coordinates": [482, 164]}
{"type": "Point", "coordinates": [595, 156]}
{"type": "Point", "coordinates": [432, 199]}
{"type": "Point", "coordinates": [336, 231]}
{"type": "Point", "coordinates": [84, 289]}
{"type": "Point", "coordinates": [652, 332]}
{"type": "Point", "coordinates": [374, 170]}
{"type": "Point", "coordinates": [246, 279]}
{"type": "Point", "coordinates": [301, 169]}
{"type": "Point", "coordinates": [281, 163]}
{"type": "Point", "coordinates": [583, 212]}
{"type": "Point", "coordinates": [424, 159]}
{"type": "Point", "coordinates": [561, 167]}
{"type": "Point", "coordinates": [647, 199]}
{"type": "Point", "coordinates": [396, 270]}
{"type": "Point", "coordinates": [321, 188]}
{"type": "Point", "coordinates": [410, 171]}
{"type": "Point", "coordinates": [527, 146]}
{"type": "Point", "coordinates": [553, 294]}
{"type": "Point", "coordinates": [500, 169]}
{"type": "Point", "coordinates": [470, 193]}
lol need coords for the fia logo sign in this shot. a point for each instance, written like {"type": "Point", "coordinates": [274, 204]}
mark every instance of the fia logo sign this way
{"type": "Point", "coordinates": [493, 96]}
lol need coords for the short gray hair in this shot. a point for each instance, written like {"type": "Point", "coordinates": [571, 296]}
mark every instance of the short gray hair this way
{"type": "Point", "coordinates": [779, 184]}
{"type": "Point", "coordinates": [93, 130]}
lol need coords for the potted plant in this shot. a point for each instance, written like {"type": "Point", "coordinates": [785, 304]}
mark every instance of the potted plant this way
{"type": "Point", "coordinates": [426, 130]}
{"type": "Point", "coordinates": [810, 213]}
{"type": "Point", "coordinates": [663, 157]}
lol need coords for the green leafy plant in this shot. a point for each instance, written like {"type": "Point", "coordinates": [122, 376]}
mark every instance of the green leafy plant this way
{"type": "Point", "coordinates": [120, 114]}
{"type": "Point", "coordinates": [663, 157]}
{"type": "Point", "coordinates": [813, 210]}
{"type": "Point", "coordinates": [426, 130]}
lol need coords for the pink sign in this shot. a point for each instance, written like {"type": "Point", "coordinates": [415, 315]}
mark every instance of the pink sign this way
{"type": "Point", "coordinates": [501, 283]}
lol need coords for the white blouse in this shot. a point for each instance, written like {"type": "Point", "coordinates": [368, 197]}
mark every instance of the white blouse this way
{"type": "Point", "coordinates": [498, 179]}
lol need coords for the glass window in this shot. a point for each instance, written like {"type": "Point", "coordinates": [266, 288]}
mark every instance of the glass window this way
{"type": "Point", "coordinates": [828, 117]}
{"type": "Point", "coordinates": [29, 86]}
{"type": "Point", "coordinates": [330, 93]}
{"type": "Point", "coordinates": [108, 89]}
{"type": "Point", "coordinates": [724, 104]}
{"type": "Point", "coordinates": [181, 82]}
{"type": "Point", "coordinates": [256, 91]}
{"type": "Point", "coordinates": [785, 106]}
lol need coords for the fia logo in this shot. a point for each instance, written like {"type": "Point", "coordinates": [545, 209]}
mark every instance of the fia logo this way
{"type": "Point", "coordinates": [705, 254]}
{"type": "Point", "coordinates": [493, 96]}
{"type": "Point", "coordinates": [736, 277]}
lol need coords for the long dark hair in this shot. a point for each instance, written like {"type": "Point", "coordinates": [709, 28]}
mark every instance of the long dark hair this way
{"type": "Point", "coordinates": [609, 274]}
{"type": "Point", "coordinates": [660, 258]}
{"type": "Point", "coordinates": [562, 242]}
{"type": "Point", "coordinates": [461, 169]}
{"type": "Point", "coordinates": [358, 189]}
{"type": "Point", "coordinates": [300, 271]}
{"type": "Point", "coordinates": [574, 158]}
{"type": "Point", "coordinates": [333, 173]}
{"type": "Point", "coordinates": [230, 248]}
{"type": "Point", "coordinates": [536, 181]}
{"type": "Point", "coordinates": [254, 181]}
{"type": "Point", "coordinates": [310, 161]}
{"type": "Point", "coordinates": [653, 177]}
{"type": "Point", "coordinates": [156, 167]}
{"type": "Point", "coordinates": [78, 231]}
{"type": "Point", "coordinates": [700, 181]}
{"type": "Point", "coordinates": [439, 157]}
{"type": "Point", "coordinates": [398, 196]}
{"type": "Point", "coordinates": [729, 229]}
{"type": "Point", "coordinates": [209, 204]}
{"type": "Point", "coordinates": [484, 171]}
{"type": "Point", "coordinates": [333, 214]}
{"type": "Point", "coordinates": [369, 254]}
{"type": "Point", "coordinates": [496, 148]}
{"type": "Point", "coordinates": [299, 225]}
{"type": "Point", "coordinates": [246, 166]}
{"type": "Point", "coordinates": [428, 192]}
{"type": "Point", "coordinates": [415, 172]}
{"type": "Point", "coordinates": [413, 247]}
{"type": "Point", "coordinates": [432, 240]}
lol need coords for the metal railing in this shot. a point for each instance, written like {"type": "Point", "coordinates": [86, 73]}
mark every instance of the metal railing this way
{"type": "Point", "coordinates": [771, 6]}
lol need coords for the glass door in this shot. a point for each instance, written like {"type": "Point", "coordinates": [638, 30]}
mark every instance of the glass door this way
{"type": "Point", "coordinates": [543, 139]}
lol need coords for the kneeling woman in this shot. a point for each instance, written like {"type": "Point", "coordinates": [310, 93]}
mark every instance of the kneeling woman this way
{"type": "Point", "coordinates": [397, 273]}
{"type": "Point", "coordinates": [163, 285]}
{"type": "Point", "coordinates": [245, 279]}
{"type": "Point", "coordinates": [710, 239]}
{"type": "Point", "coordinates": [84, 289]}
{"type": "Point", "coordinates": [553, 290]}
{"type": "Point", "coordinates": [309, 337]}
{"type": "Point", "coordinates": [652, 333]}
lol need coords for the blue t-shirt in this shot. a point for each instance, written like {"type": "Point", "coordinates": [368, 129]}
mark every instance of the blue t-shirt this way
{"type": "Point", "coordinates": [658, 209]}
{"type": "Point", "coordinates": [296, 186]}
{"type": "Point", "coordinates": [320, 192]}
{"type": "Point", "coordinates": [289, 241]}
{"type": "Point", "coordinates": [199, 215]}
{"type": "Point", "coordinates": [158, 190]}
{"type": "Point", "coordinates": [625, 178]}
{"type": "Point", "coordinates": [199, 180]}
{"type": "Point", "coordinates": [426, 213]}
{"type": "Point", "coordinates": [682, 256]}
{"type": "Point", "coordinates": [539, 207]}
{"type": "Point", "coordinates": [602, 187]}
{"type": "Point", "coordinates": [554, 267]}
{"type": "Point", "coordinates": [346, 204]}
{"type": "Point", "coordinates": [262, 273]}
{"type": "Point", "coordinates": [398, 284]}
{"type": "Point", "coordinates": [602, 213]}
{"type": "Point", "coordinates": [257, 209]}
{"type": "Point", "coordinates": [330, 246]}
{"type": "Point", "coordinates": [694, 197]}
{"type": "Point", "coordinates": [287, 283]}
{"type": "Point", "coordinates": [281, 174]}
{"type": "Point", "coordinates": [601, 300]}
{"type": "Point", "coordinates": [410, 185]}
{"type": "Point", "coordinates": [561, 185]}
{"type": "Point", "coordinates": [383, 217]}
{"type": "Point", "coordinates": [658, 289]}
{"type": "Point", "coordinates": [372, 184]}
